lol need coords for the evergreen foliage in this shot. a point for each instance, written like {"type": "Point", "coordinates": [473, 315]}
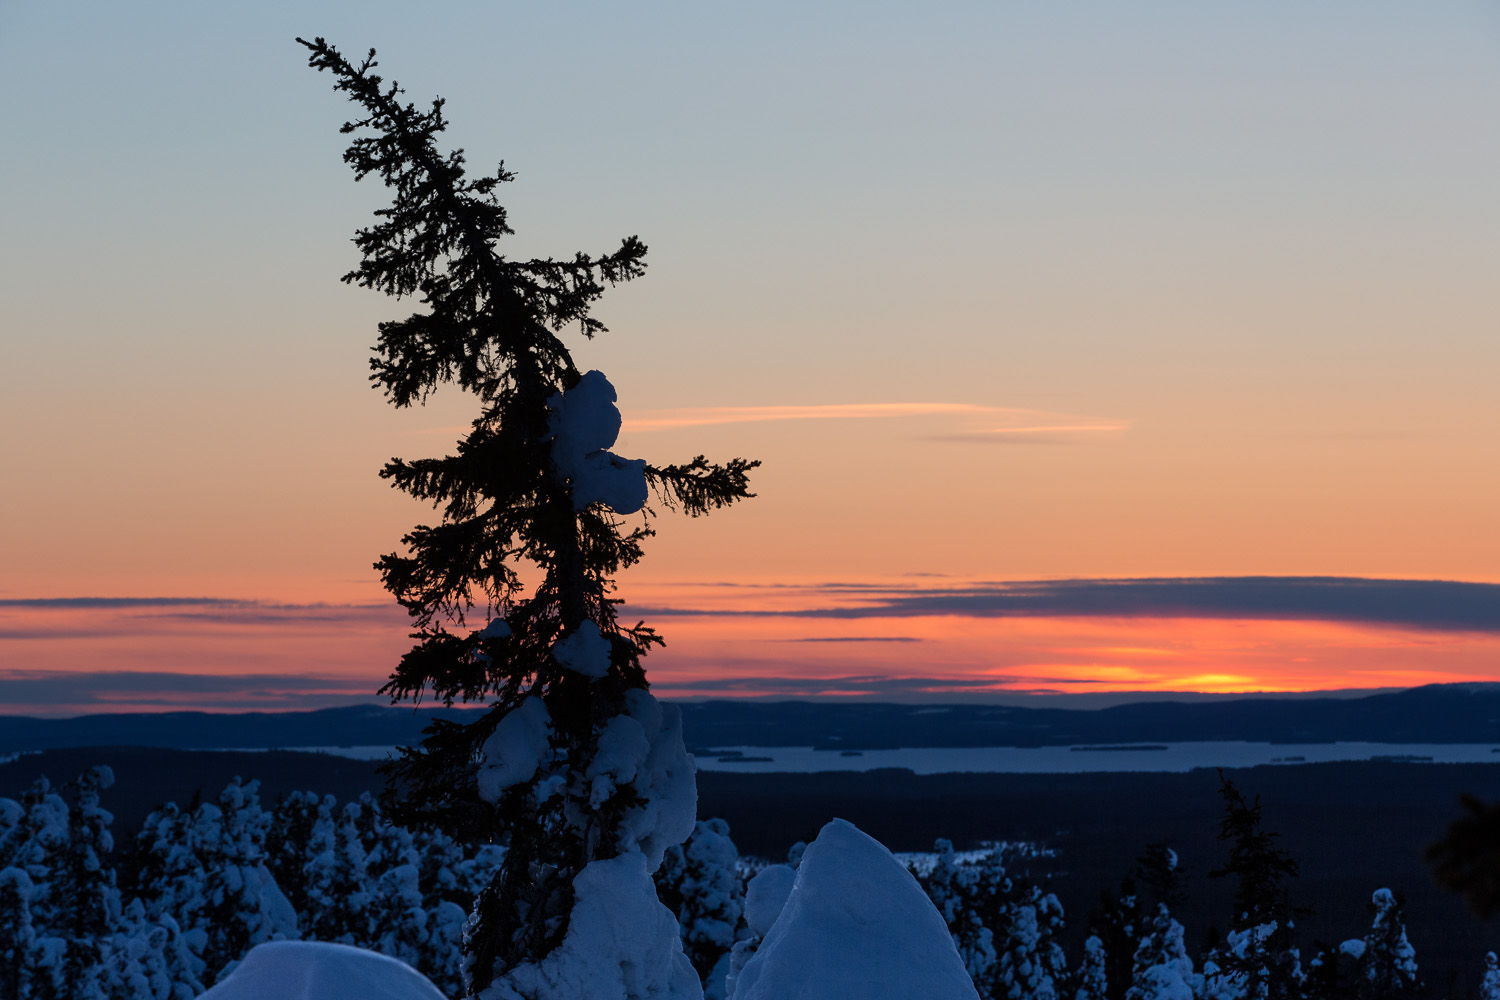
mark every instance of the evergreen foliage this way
{"type": "Point", "coordinates": [965, 895]}
{"type": "Point", "coordinates": [1091, 981]}
{"type": "Point", "coordinates": [157, 944]}
{"type": "Point", "coordinates": [532, 483]}
{"type": "Point", "coordinates": [17, 933]}
{"type": "Point", "coordinates": [699, 881]}
{"type": "Point", "coordinates": [201, 891]}
{"type": "Point", "coordinates": [1489, 987]}
{"type": "Point", "coordinates": [1467, 859]}
{"type": "Point", "coordinates": [1260, 959]}
{"type": "Point", "coordinates": [1125, 919]}
{"type": "Point", "coordinates": [1388, 963]}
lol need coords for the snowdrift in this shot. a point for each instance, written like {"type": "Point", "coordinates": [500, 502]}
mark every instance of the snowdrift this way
{"type": "Point", "coordinates": [313, 970]}
{"type": "Point", "coordinates": [857, 926]}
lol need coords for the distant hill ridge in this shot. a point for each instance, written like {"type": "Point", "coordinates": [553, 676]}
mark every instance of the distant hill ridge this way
{"type": "Point", "coordinates": [1439, 713]}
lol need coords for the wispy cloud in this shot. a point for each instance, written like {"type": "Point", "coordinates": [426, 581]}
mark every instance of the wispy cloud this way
{"type": "Point", "coordinates": [1436, 605]}
{"type": "Point", "coordinates": [990, 424]}
{"type": "Point", "coordinates": [661, 420]}
{"type": "Point", "coordinates": [1001, 424]}
{"type": "Point", "coordinates": [853, 638]}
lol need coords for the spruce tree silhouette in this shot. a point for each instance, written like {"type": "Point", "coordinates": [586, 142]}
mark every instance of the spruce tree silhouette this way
{"type": "Point", "coordinates": [1262, 954]}
{"type": "Point", "coordinates": [1467, 858]}
{"type": "Point", "coordinates": [531, 483]}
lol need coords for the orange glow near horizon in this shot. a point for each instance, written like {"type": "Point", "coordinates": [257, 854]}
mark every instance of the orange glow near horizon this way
{"type": "Point", "coordinates": [723, 641]}
{"type": "Point", "coordinates": [966, 656]}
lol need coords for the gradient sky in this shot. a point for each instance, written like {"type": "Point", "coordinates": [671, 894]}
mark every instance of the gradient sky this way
{"type": "Point", "coordinates": [999, 293]}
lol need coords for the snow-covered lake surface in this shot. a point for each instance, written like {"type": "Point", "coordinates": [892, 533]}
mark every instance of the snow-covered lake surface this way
{"type": "Point", "coordinates": [1071, 760]}
{"type": "Point", "coordinates": [1052, 760]}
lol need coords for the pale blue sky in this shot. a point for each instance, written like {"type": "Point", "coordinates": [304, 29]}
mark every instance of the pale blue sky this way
{"type": "Point", "coordinates": [1252, 233]}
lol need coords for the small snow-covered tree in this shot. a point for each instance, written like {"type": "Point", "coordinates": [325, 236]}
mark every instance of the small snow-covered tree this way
{"type": "Point", "coordinates": [1260, 960]}
{"type": "Point", "coordinates": [699, 881]}
{"type": "Point", "coordinates": [1388, 962]}
{"type": "Point", "coordinates": [1115, 923]}
{"type": "Point", "coordinates": [1092, 982]}
{"type": "Point", "coordinates": [243, 904]}
{"type": "Point", "coordinates": [1159, 965]}
{"type": "Point", "coordinates": [1030, 963]}
{"type": "Point", "coordinates": [336, 877]}
{"type": "Point", "coordinates": [206, 869]}
{"type": "Point", "coordinates": [34, 837]}
{"type": "Point", "coordinates": [287, 846]}
{"type": "Point", "coordinates": [575, 765]}
{"type": "Point", "coordinates": [1489, 986]}
{"type": "Point", "coordinates": [85, 898]}
{"type": "Point", "coordinates": [1162, 969]}
{"type": "Point", "coordinates": [17, 933]}
{"type": "Point", "coordinates": [147, 958]}
{"type": "Point", "coordinates": [961, 892]}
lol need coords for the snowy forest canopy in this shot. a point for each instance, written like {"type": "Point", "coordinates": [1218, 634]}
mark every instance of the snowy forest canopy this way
{"type": "Point", "coordinates": [169, 910]}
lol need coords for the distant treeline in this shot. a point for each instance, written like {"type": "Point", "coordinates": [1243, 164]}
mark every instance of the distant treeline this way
{"type": "Point", "coordinates": [1443, 713]}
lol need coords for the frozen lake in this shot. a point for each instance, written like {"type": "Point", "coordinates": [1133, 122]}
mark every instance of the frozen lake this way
{"type": "Point", "coordinates": [1052, 760]}
{"type": "Point", "coordinates": [1072, 760]}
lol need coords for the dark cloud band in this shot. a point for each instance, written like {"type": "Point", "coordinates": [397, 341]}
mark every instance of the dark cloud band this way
{"type": "Point", "coordinates": [119, 687]}
{"type": "Point", "coordinates": [1436, 605]}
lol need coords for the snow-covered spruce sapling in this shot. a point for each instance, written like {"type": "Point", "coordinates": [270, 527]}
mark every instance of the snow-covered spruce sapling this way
{"type": "Point", "coordinates": [1387, 962]}
{"type": "Point", "coordinates": [1260, 959]}
{"type": "Point", "coordinates": [574, 764]}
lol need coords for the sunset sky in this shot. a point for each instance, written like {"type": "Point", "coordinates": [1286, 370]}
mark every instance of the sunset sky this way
{"type": "Point", "coordinates": [1087, 347]}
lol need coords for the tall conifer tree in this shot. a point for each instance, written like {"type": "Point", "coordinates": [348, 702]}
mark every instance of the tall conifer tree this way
{"type": "Point", "coordinates": [1260, 959]}
{"type": "Point", "coordinates": [532, 483]}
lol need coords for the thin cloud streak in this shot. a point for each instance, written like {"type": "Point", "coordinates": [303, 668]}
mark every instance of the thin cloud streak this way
{"type": "Point", "coordinates": [1038, 422]}
{"type": "Point", "coordinates": [853, 638]}
{"type": "Point", "coordinates": [672, 419]}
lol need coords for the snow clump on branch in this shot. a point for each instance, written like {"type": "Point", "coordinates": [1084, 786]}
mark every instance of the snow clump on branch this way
{"type": "Point", "coordinates": [584, 651]}
{"type": "Point", "coordinates": [584, 423]}
{"type": "Point", "coordinates": [518, 746]}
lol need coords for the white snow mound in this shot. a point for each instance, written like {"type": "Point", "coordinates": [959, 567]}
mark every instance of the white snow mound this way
{"type": "Point", "coordinates": [766, 896]}
{"type": "Point", "coordinates": [314, 970]}
{"type": "Point", "coordinates": [856, 926]}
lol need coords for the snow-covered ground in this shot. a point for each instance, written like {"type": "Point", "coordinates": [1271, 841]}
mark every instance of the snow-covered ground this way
{"type": "Point", "coordinates": [355, 753]}
{"type": "Point", "coordinates": [1052, 760]}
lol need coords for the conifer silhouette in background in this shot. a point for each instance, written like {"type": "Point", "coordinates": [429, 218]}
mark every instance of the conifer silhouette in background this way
{"type": "Point", "coordinates": [532, 483]}
{"type": "Point", "coordinates": [1260, 960]}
